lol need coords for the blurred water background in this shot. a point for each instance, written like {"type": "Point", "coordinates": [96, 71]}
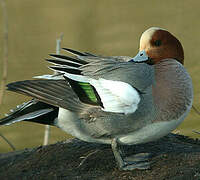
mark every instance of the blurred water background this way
{"type": "Point", "coordinates": [103, 27]}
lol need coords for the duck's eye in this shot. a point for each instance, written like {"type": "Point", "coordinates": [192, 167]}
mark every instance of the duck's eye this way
{"type": "Point", "coordinates": [157, 43]}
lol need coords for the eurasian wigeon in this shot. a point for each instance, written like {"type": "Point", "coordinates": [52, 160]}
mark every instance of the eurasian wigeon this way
{"type": "Point", "coordinates": [113, 100]}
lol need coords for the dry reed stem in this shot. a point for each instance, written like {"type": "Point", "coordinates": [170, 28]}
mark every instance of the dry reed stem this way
{"type": "Point", "coordinates": [47, 127]}
{"type": "Point", "coordinates": [5, 53]}
{"type": "Point", "coordinates": [5, 60]}
{"type": "Point", "coordinates": [196, 110]}
{"type": "Point", "coordinates": [8, 142]}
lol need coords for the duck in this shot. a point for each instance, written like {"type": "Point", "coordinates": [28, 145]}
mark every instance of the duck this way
{"type": "Point", "coordinates": [116, 100]}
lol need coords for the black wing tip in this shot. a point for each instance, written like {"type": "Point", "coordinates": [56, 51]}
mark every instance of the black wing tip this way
{"type": "Point", "coordinates": [64, 57]}
{"type": "Point", "coordinates": [60, 56]}
{"type": "Point", "coordinates": [56, 55]}
{"type": "Point", "coordinates": [77, 53]}
{"type": "Point", "coordinates": [15, 86]}
{"type": "Point", "coordinates": [60, 62]}
{"type": "Point", "coordinates": [64, 69]}
{"type": "Point", "coordinates": [55, 61]}
{"type": "Point", "coordinates": [12, 84]}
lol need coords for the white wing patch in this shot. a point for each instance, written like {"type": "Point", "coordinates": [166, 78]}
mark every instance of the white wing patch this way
{"type": "Point", "coordinates": [116, 96]}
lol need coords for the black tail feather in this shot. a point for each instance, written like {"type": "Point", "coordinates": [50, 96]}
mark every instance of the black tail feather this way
{"type": "Point", "coordinates": [34, 111]}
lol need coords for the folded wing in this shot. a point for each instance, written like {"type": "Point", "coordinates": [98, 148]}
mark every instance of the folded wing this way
{"type": "Point", "coordinates": [111, 83]}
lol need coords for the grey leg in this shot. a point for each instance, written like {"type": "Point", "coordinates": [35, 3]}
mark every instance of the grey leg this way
{"type": "Point", "coordinates": [117, 153]}
{"type": "Point", "coordinates": [138, 161]}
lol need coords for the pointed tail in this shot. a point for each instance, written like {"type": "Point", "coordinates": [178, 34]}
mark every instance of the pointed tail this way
{"type": "Point", "coordinates": [34, 111]}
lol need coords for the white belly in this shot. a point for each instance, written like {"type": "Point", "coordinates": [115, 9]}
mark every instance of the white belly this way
{"type": "Point", "coordinates": [70, 123]}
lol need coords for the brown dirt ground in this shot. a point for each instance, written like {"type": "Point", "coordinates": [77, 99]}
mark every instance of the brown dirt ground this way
{"type": "Point", "coordinates": [174, 157]}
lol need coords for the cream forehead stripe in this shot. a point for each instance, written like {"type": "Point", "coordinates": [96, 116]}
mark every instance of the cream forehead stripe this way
{"type": "Point", "coordinates": [146, 35]}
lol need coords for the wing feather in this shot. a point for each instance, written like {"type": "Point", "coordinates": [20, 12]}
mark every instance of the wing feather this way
{"type": "Point", "coordinates": [112, 83]}
{"type": "Point", "coordinates": [54, 92]}
{"type": "Point", "coordinates": [117, 81]}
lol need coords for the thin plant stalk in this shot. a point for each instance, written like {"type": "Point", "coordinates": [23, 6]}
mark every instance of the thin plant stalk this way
{"type": "Point", "coordinates": [8, 142]}
{"type": "Point", "coordinates": [5, 48]}
{"type": "Point", "coordinates": [47, 127]}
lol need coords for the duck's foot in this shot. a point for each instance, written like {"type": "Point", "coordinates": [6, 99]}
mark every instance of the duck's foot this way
{"type": "Point", "coordinates": [138, 161]}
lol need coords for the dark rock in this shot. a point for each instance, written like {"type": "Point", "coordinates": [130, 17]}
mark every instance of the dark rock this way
{"type": "Point", "coordinates": [174, 157]}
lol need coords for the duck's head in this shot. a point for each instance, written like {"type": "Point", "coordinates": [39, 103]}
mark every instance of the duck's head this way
{"type": "Point", "coordinates": [158, 44]}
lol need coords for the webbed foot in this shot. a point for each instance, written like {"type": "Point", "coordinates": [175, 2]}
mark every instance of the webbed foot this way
{"type": "Point", "coordinates": [137, 161]}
